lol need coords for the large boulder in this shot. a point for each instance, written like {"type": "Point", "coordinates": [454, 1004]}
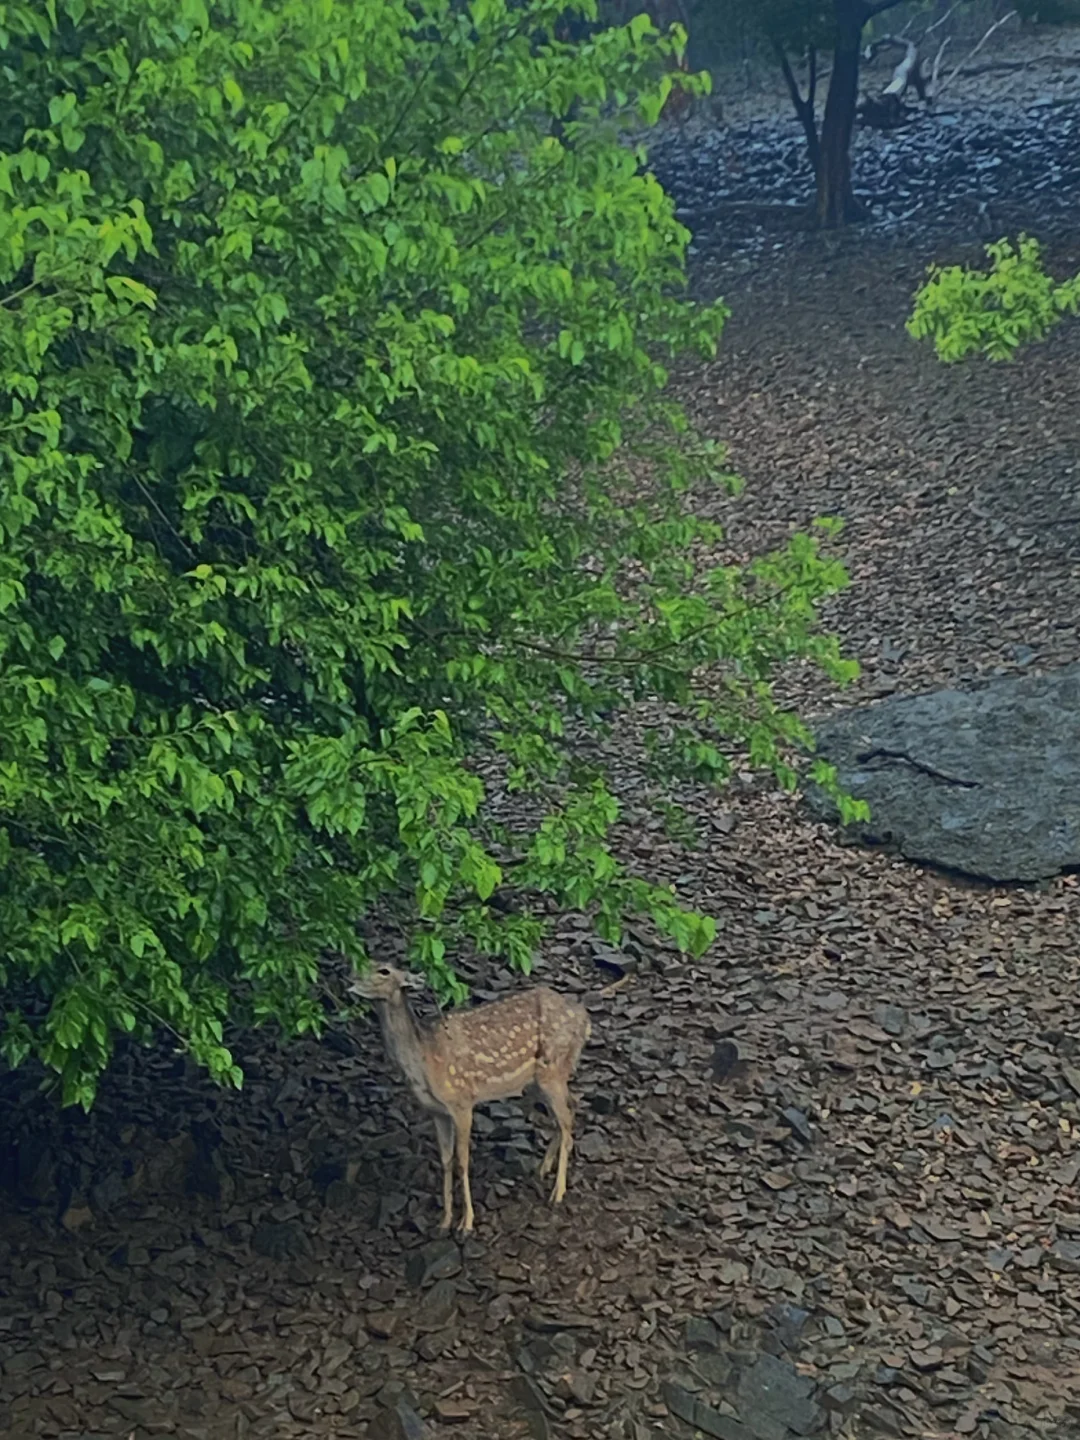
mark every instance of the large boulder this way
{"type": "Point", "coordinates": [983, 781]}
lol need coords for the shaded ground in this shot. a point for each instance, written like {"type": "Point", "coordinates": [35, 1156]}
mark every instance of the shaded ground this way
{"type": "Point", "coordinates": [884, 1190]}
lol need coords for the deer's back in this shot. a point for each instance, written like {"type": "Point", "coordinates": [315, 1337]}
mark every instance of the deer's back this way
{"type": "Point", "coordinates": [495, 1050]}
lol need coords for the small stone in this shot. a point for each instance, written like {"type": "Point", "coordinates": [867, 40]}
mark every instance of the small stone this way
{"type": "Point", "coordinates": [582, 1386]}
{"type": "Point", "coordinates": [891, 1018]}
{"type": "Point", "coordinates": [440, 1260]}
{"type": "Point", "coordinates": [22, 1362]}
{"type": "Point", "coordinates": [545, 1322]}
{"type": "Point", "coordinates": [438, 1306]}
{"type": "Point", "coordinates": [777, 1179]}
{"type": "Point", "coordinates": [701, 1335]}
{"type": "Point", "coordinates": [302, 1406]}
{"type": "Point", "coordinates": [390, 1206]}
{"type": "Point", "coordinates": [834, 1000]}
{"type": "Point", "coordinates": [432, 1346]}
{"type": "Point", "coordinates": [789, 1321]}
{"type": "Point", "coordinates": [75, 1217]}
{"type": "Point", "coordinates": [725, 1057]}
{"type": "Point", "coordinates": [841, 1399]}
{"type": "Point", "coordinates": [602, 1102]}
{"type": "Point", "coordinates": [281, 1241]}
{"type": "Point", "coordinates": [1065, 1256]}
{"type": "Point", "coordinates": [400, 1422]}
{"type": "Point", "coordinates": [940, 1059]}
{"type": "Point", "coordinates": [593, 1146]}
{"type": "Point", "coordinates": [141, 1410]}
{"type": "Point", "coordinates": [454, 1412]}
{"type": "Point", "coordinates": [336, 1353]}
{"type": "Point", "coordinates": [800, 1126]}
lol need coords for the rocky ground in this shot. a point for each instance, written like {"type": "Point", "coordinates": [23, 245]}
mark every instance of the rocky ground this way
{"type": "Point", "coordinates": [861, 1218]}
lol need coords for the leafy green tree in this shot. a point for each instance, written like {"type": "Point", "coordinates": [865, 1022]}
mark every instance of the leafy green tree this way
{"type": "Point", "coordinates": [324, 362]}
{"type": "Point", "coordinates": [992, 312]}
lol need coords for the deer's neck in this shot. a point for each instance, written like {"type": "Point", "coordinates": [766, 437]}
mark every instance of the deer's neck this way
{"type": "Point", "coordinates": [404, 1045]}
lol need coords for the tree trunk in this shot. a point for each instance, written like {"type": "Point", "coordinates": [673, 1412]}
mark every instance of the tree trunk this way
{"type": "Point", "coordinates": [836, 203]}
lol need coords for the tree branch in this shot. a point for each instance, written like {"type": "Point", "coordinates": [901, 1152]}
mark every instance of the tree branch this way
{"type": "Point", "coordinates": [996, 26]}
{"type": "Point", "coordinates": [804, 109]}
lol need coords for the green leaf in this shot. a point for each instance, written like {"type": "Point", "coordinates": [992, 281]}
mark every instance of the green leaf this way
{"type": "Point", "coordinates": [346, 512]}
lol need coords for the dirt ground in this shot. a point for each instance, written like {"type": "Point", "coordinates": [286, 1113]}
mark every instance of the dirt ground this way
{"type": "Point", "coordinates": [878, 1202]}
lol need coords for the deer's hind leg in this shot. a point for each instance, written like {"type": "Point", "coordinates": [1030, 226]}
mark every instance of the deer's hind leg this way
{"type": "Point", "coordinates": [555, 1092]}
{"type": "Point", "coordinates": [462, 1122]}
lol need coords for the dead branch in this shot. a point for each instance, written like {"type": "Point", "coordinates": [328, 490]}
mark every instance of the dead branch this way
{"type": "Point", "coordinates": [887, 111]}
{"type": "Point", "coordinates": [907, 73]}
{"type": "Point", "coordinates": [1011, 15]}
{"type": "Point", "coordinates": [941, 21]}
{"type": "Point", "coordinates": [933, 90]}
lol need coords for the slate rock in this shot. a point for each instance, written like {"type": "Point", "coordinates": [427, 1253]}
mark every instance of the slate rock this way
{"type": "Point", "coordinates": [799, 1124]}
{"type": "Point", "coordinates": [440, 1260]}
{"type": "Point", "coordinates": [788, 1323]}
{"type": "Point", "coordinates": [35, 1170]}
{"type": "Point", "coordinates": [284, 1241]}
{"type": "Point", "coordinates": [770, 1393]}
{"type": "Point", "coordinates": [703, 1419]}
{"type": "Point", "coordinates": [438, 1306]}
{"type": "Point", "coordinates": [701, 1334]}
{"type": "Point", "coordinates": [398, 1422]}
{"type": "Point", "coordinates": [1065, 1255]}
{"type": "Point", "coordinates": [983, 781]}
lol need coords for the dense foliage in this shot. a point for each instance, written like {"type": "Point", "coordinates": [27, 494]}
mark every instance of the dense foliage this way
{"type": "Point", "coordinates": [317, 348]}
{"type": "Point", "coordinates": [992, 312]}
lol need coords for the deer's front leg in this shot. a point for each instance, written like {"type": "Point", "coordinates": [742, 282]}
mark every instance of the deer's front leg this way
{"type": "Point", "coordinates": [463, 1136]}
{"type": "Point", "coordinates": [446, 1136]}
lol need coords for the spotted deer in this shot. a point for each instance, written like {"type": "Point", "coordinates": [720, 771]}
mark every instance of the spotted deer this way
{"type": "Point", "coordinates": [494, 1051]}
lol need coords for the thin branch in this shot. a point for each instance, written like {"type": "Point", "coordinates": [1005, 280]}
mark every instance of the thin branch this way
{"type": "Point", "coordinates": [1011, 15]}
{"type": "Point", "coordinates": [938, 23]}
{"type": "Point", "coordinates": [804, 109]}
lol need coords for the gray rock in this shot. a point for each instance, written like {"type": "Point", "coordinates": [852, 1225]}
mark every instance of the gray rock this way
{"type": "Point", "coordinates": [985, 781]}
{"type": "Point", "coordinates": [715, 1369]}
{"type": "Point", "coordinates": [400, 1422]}
{"type": "Point", "coordinates": [440, 1260]}
{"type": "Point", "coordinates": [530, 1401]}
{"type": "Point", "coordinates": [284, 1241]}
{"type": "Point", "coordinates": [788, 1323]}
{"type": "Point", "coordinates": [438, 1306]}
{"type": "Point", "coordinates": [1065, 1255]}
{"type": "Point", "coordinates": [771, 1393]}
{"type": "Point", "coordinates": [800, 1126]}
{"type": "Point", "coordinates": [702, 1418]}
{"type": "Point", "coordinates": [701, 1334]}
{"type": "Point", "coordinates": [35, 1170]}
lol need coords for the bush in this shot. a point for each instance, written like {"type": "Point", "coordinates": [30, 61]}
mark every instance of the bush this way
{"type": "Point", "coordinates": [992, 312]}
{"type": "Point", "coordinates": [317, 347]}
